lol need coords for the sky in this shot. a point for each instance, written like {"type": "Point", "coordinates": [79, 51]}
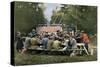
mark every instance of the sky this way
{"type": "Point", "coordinates": [49, 8]}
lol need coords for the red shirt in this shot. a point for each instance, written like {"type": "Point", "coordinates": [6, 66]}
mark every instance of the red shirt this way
{"type": "Point", "coordinates": [85, 38]}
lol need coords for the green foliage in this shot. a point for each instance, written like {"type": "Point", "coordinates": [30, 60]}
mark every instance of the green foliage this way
{"type": "Point", "coordinates": [27, 16]}
{"type": "Point", "coordinates": [85, 17]}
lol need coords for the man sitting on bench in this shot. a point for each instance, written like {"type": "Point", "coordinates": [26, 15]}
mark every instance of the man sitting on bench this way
{"type": "Point", "coordinates": [56, 44]}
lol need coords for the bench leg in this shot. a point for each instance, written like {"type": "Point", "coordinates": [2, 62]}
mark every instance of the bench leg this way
{"type": "Point", "coordinates": [86, 50]}
{"type": "Point", "coordinates": [91, 52]}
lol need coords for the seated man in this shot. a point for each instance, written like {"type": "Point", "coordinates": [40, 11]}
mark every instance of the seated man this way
{"type": "Point", "coordinates": [44, 42]}
{"type": "Point", "coordinates": [56, 44]}
{"type": "Point", "coordinates": [34, 42]}
{"type": "Point", "coordinates": [50, 43]}
{"type": "Point", "coordinates": [27, 44]}
{"type": "Point", "coordinates": [65, 43]}
{"type": "Point", "coordinates": [72, 45]}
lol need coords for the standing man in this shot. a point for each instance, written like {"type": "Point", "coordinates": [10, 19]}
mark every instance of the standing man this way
{"type": "Point", "coordinates": [19, 45]}
{"type": "Point", "coordinates": [85, 39]}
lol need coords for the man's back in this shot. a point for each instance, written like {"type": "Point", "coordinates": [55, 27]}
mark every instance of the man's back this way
{"type": "Point", "coordinates": [56, 44]}
{"type": "Point", "coordinates": [73, 43]}
{"type": "Point", "coordinates": [27, 42]}
{"type": "Point", "coordinates": [50, 43]}
{"type": "Point", "coordinates": [45, 42]}
{"type": "Point", "coordinates": [34, 41]}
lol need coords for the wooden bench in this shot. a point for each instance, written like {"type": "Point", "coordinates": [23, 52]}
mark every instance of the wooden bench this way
{"type": "Point", "coordinates": [83, 45]}
{"type": "Point", "coordinates": [56, 51]}
{"type": "Point", "coordinates": [92, 50]}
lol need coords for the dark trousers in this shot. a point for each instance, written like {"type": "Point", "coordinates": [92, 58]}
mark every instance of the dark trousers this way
{"type": "Point", "coordinates": [86, 46]}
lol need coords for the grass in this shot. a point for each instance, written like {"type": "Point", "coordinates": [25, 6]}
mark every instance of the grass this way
{"type": "Point", "coordinates": [29, 59]}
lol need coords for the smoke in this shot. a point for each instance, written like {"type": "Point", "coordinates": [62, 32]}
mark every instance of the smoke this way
{"type": "Point", "coordinates": [49, 10]}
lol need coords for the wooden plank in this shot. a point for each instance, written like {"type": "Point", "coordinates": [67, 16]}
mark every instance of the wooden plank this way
{"type": "Point", "coordinates": [55, 49]}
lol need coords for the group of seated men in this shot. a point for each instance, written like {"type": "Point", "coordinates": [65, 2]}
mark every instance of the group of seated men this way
{"type": "Point", "coordinates": [51, 41]}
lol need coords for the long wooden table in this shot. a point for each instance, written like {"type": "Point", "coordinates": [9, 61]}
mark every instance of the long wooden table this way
{"type": "Point", "coordinates": [61, 50]}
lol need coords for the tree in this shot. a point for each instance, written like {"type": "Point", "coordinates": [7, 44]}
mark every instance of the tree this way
{"type": "Point", "coordinates": [27, 15]}
{"type": "Point", "coordinates": [85, 17]}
